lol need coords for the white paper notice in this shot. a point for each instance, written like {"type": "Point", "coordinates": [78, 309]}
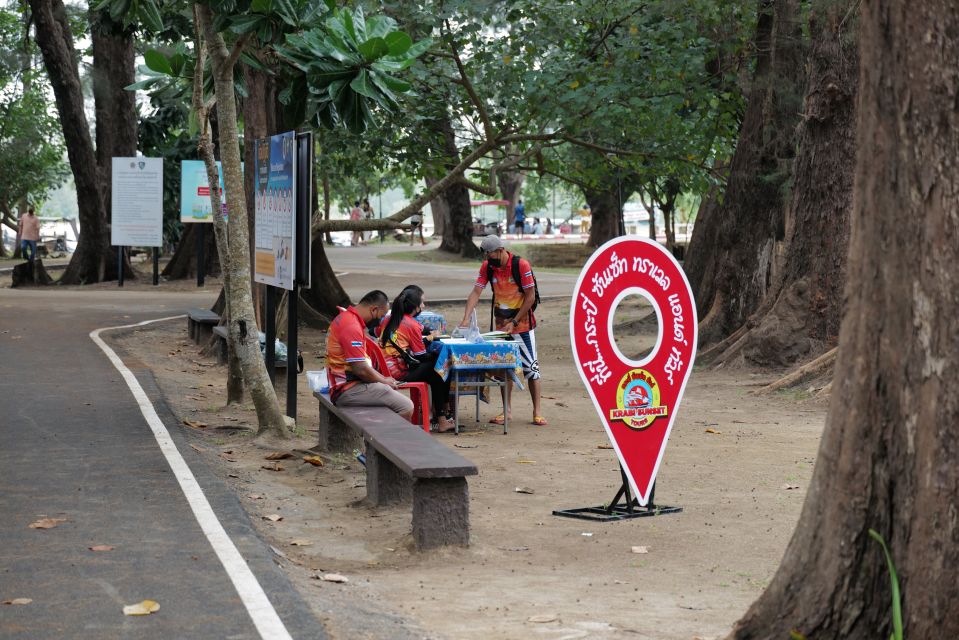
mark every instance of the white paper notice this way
{"type": "Point", "coordinates": [137, 202]}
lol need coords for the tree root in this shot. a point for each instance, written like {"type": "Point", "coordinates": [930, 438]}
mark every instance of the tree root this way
{"type": "Point", "coordinates": [812, 369]}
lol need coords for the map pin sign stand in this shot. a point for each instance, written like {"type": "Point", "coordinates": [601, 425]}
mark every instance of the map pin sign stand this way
{"type": "Point", "coordinates": [637, 400]}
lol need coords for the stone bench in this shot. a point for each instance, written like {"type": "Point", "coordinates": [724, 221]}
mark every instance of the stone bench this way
{"type": "Point", "coordinates": [200, 324]}
{"type": "Point", "coordinates": [403, 464]}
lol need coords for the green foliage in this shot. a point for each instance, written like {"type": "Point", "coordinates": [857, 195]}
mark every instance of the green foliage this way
{"type": "Point", "coordinates": [347, 65]}
{"type": "Point", "coordinates": [132, 12]}
{"type": "Point", "coordinates": [894, 584]}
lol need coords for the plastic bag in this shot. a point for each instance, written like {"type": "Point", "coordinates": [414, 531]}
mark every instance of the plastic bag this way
{"type": "Point", "coordinates": [473, 333]}
{"type": "Point", "coordinates": [279, 349]}
{"type": "Point", "coordinates": [318, 381]}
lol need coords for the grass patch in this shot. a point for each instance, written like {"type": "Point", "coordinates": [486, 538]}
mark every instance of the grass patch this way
{"type": "Point", "coordinates": [556, 258]}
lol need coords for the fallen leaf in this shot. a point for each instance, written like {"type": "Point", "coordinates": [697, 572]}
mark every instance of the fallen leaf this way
{"type": "Point", "coordinates": [196, 448]}
{"type": "Point", "coordinates": [18, 601]}
{"type": "Point", "coordinates": [273, 517]}
{"type": "Point", "coordinates": [525, 462]}
{"type": "Point", "coordinates": [515, 548]}
{"type": "Point", "coordinates": [524, 490]}
{"type": "Point", "coordinates": [464, 446]}
{"type": "Point", "coordinates": [101, 547]}
{"type": "Point", "coordinates": [545, 617]}
{"type": "Point", "coordinates": [47, 523]}
{"type": "Point", "coordinates": [272, 467]}
{"type": "Point", "coordinates": [334, 577]}
{"type": "Point", "coordinates": [196, 425]}
{"type": "Point", "coordinates": [279, 455]}
{"type": "Point", "coordinates": [790, 487]}
{"type": "Point", "coordinates": [144, 608]}
{"type": "Point", "coordinates": [226, 457]}
{"type": "Point", "coordinates": [711, 430]}
{"type": "Point", "coordinates": [604, 446]}
{"type": "Point", "coordinates": [640, 549]}
{"type": "Point", "coordinates": [255, 496]}
{"type": "Point", "coordinates": [316, 461]}
{"type": "Point", "coordinates": [300, 543]}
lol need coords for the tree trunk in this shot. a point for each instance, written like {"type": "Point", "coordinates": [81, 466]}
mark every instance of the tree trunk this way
{"type": "Point", "coordinates": [325, 292]}
{"type": "Point", "coordinates": [115, 110]}
{"type": "Point", "coordinates": [89, 261]}
{"type": "Point", "coordinates": [243, 327]}
{"type": "Point", "coordinates": [182, 264]}
{"type": "Point", "coordinates": [801, 318]}
{"type": "Point", "coordinates": [731, 275]}
{"type": "Point", "coordinates": [510, 184]}
{"type": "Point", "coordinates": [440, 209]}
{"type": "Point", "coordinates": [604, 207]}
{"type": "Point", "coordinates": [327, 200]}
{"type": "Point", "coordinates": [458, 232]}
{"type": "Point", "coordinates": [887, 460]}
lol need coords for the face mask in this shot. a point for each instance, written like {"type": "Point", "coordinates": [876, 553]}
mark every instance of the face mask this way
{"type": "Point", "coordinates": [493, 262]}
{"type": "Point", "coordinates": [373, 324]}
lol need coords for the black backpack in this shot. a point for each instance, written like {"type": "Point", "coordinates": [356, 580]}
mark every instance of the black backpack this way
{"type": "Point", "coordinates": [514, 264]}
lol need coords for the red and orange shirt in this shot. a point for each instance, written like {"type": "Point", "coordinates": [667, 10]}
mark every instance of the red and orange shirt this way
{"type": "Point", "coordinates": [408, 336]}
{"type": "Point", "coordinates": [345, 344]}
{"type": "Point", "coordinates": [509, 295]}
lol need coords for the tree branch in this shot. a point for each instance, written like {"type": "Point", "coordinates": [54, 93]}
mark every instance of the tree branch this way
{"type": "Point", "coordinates": [470, 90]}
{"type": "Point", "coordinates": [485, 189]}
{"type": "Point", "coordinates": [238, 48]}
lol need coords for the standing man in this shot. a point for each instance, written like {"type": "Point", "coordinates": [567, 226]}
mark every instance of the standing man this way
{"type": "Point", "coordinates": [353, 380]}
{"type": "Point", "coordinates": [513, 310]}
{"type": "Point", "coordinates": [519, 218]}
{"type": "Point", "coordinates": [416, 223]}
{"type": "Point", "coordinates": [356, 214]}
{"type": "Point", "coordinates": [29, 234]}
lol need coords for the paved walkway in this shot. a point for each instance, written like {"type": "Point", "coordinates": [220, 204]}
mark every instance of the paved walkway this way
{"type": "Point", "coordinates": [75, 445]}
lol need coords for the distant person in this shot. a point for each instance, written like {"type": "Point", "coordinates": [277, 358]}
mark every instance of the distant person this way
{"type": "Point", "coordinates": [519, 218]}
{"type": "Point", "coordinates": [406, 354]}
{"type": "Point", "coordinates": [514, 294]}
{"type": "Point", "coordinates": [537, 227]}
{"type": "Point", "coordinates": [29, 235]}
{"type": "Point", "coordinates": [367, 215]}
{"type": "Point", "coordinates": [356, 214]}
{"type": "Point", "coordinates": [416, 223]}
{"type": "Point", "coordinates": [549, 226]}
{"type": "Point", "coordinates": [353, 380]}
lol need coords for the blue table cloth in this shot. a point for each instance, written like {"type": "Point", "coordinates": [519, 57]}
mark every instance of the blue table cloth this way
{"type": "Point", "coordinates": [432, 321]}
{"type": "Point", "coordinates": [465, 356]}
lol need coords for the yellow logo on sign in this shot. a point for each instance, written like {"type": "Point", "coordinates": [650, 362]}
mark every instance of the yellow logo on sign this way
{"type": "Point", "coordinates": [637, 400]}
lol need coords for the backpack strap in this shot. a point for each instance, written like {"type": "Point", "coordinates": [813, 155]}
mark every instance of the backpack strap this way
{"type": "Point", "coordinates": [492, 304]}
{"type": "Point", "coordinates": [519, 283]}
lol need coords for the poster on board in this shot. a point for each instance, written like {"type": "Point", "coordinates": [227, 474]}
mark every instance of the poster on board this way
{"type": "Point", "coordinates": [637, 400]}
{"type": "Point", "coordinates": [136, 202]}
{"type": "Point", "coordinates": [275, 207]}
{"type": "Point", "coordinates": [195, 205]}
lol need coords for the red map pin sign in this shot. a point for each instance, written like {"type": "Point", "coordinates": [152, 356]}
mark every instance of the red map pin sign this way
{"type": "Point", "coordinates": [637, 400]}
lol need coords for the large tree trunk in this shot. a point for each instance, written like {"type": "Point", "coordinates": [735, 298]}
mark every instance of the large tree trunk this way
{"type": "Point", "coordinates": [887, 460]}
{"type": "Point", "coordinates": [731, 275]}
{"type": "Point", "coordinates": [89, 261]}
{"type": "Point", "coordinates": [243, 326]}
{"type": "Point", "coordinates": [510, 184]}
{"type": "Point", "coordinates": [604, 208]}
{"type": "Point", "coordinates": [115, 110]}
{"type": "Point", "coordinates": [325, 293]}
{"type": "Point", "coordinates": [801, 317]}
{"type": "Point", "coordinates": [458, 232]}
{"type": "Point", "coordinates": [182, 264]}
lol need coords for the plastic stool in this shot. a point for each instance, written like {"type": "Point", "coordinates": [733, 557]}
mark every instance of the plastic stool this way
{"type": "Point", "coordinates": [420, 395]}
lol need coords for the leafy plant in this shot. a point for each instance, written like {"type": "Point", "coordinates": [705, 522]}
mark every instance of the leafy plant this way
{"type": "Point", "coordinates": [894, 583]}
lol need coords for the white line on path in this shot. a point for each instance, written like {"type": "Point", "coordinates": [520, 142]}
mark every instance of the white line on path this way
{"type": "Point", "coordinates": [264, 616]}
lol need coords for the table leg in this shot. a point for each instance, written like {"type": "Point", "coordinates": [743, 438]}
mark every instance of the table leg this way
{"type": "Point", "coordinates": [505, 405]}
{"type": "Point", "coordinates": [456, 402]}
{"type": "Point", "coordinates": [478, 391]}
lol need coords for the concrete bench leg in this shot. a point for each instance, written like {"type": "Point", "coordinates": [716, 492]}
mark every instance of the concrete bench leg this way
{"type": "Point", "coordinates": [441, 512]}
{"type": "Point", "coordinates": [202, 332]}
{"type": "Point", "coordinates": [190, 329]}
{"type": "Point", "coordinates": [335, 435]}
{"type": "Point", "coordinates": [385, 483]}
{"type": "Point", "coordinates": [222, 351]}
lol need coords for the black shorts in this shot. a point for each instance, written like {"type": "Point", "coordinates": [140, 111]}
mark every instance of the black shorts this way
{"type": "Point", "coordinates": [519, 223]}
{"type": "Point", "coordinates": [414, 224]}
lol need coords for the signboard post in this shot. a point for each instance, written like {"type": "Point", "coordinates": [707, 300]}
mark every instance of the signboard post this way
{"type": "Point", "coordinates": [136, 205]}
{"type": "Point", "coordinates": [637, 400]}
{"type": "Point", "coordinates": [196, 206]}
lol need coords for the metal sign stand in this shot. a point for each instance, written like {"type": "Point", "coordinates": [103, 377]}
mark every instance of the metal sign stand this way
{"type": "Point", "coordinates": [271, 334]}
{"type": "Point", "coordinates": [616, 510]}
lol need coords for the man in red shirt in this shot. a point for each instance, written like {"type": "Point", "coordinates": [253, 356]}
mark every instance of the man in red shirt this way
{"type": "Point", "coordinates": [353, 380]}
{"type": "Point", "coordinates": [513, 313]}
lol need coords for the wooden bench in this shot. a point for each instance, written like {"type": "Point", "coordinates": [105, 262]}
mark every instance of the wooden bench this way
{"type": "Point", "coordinates": [200, 324]}
{"type": "Point", "coordinates": [404, 463]}
{"type": "Point", "coordinates": [222, 351]}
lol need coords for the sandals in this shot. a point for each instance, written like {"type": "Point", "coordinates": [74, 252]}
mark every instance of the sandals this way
{"type": "Point", "coordinates": [539, 421]}
{"type": "Point", "coordinates": [500, 419]}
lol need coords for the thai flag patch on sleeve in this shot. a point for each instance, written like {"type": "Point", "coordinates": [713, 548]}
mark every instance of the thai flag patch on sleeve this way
{"type": "Point", "coordinates": [356, 343]}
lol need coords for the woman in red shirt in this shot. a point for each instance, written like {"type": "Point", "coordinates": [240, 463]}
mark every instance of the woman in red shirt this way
{"type": "Point", "coordinates": [406, 354]}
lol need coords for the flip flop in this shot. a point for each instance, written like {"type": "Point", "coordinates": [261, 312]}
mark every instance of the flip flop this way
{"type": "Point", "coordinates": [500, 419]}
{"type": "Point", "coordinates": [540, 421]}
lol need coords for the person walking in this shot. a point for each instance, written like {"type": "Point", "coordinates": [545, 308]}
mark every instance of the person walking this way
{"type": "Point", "coordinates": [356, 214]}
{"type": "Point", "coordinates": [367, 215]}
{"type": "Point", "coordinates": [29, 235]}
{"type": "Point", "coordinates": [416, 223]}
{"type": "Point", "coordinates": [514, 295]}
{"type": "Point", "coordinates": [519, 218]}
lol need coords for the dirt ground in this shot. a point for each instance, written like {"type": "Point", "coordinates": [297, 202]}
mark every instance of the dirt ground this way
{"type": "Point", "coordinates": [737, 463]}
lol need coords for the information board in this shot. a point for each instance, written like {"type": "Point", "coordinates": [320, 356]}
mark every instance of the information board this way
{"type": "Point", "coordinates": [195, 205]}
{"type": "Point", "coordinates": [136, 202]}
{"type": "Point", "coordinates": [275, 207]}
{"type": "Point", "coordinates": [637, 400]}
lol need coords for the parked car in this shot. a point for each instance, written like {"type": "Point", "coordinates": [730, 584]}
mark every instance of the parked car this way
{"type": "Point", "coordinates": [481, 228]}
